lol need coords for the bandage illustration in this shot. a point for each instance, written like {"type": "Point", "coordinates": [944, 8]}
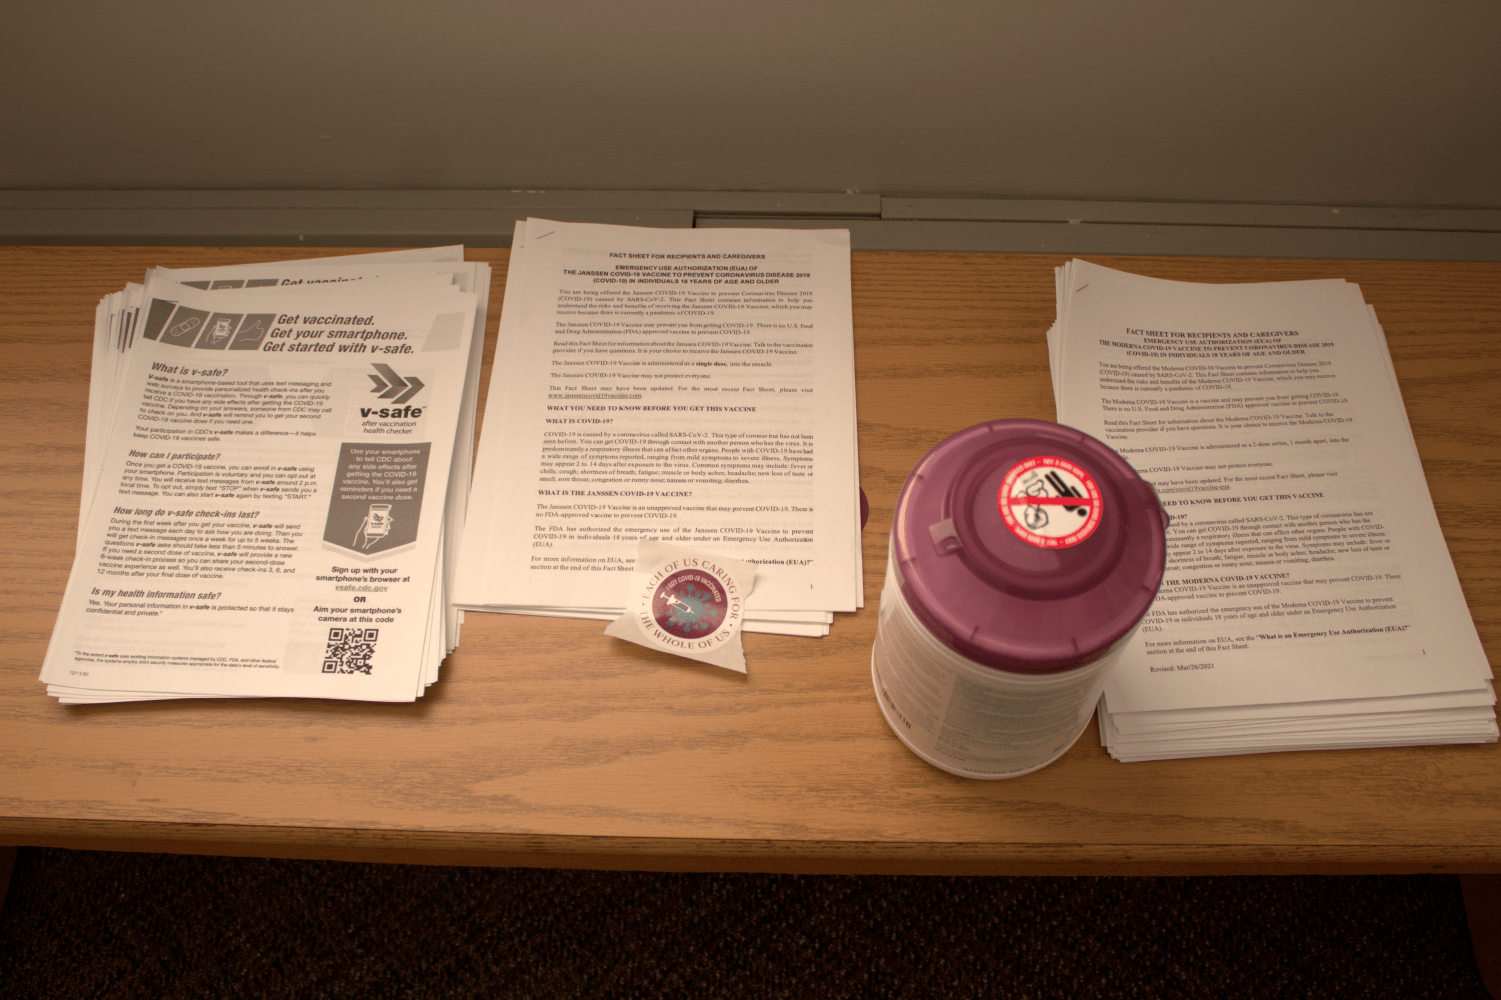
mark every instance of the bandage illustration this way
{"type": "Point", "coordinates": [184, 328]}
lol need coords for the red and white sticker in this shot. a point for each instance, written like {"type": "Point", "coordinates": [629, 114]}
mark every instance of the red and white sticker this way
{"type": "Point", "coordinates": [1050, 502]}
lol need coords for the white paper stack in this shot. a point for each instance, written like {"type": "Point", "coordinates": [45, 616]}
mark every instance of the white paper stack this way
{"type": "Point", "coordinates": [275, 475]}
{"type": "Point", "coordinates": [689, 386]}
{"type": "Point", "coordinates": [1309, 601]}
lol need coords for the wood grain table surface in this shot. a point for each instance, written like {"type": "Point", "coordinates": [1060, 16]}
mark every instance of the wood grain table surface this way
{"type": "Point", "coordinates": [548, 744]}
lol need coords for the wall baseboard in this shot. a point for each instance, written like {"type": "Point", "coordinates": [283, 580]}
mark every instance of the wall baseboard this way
{"type": "Point", "coordinates": [876, 222]}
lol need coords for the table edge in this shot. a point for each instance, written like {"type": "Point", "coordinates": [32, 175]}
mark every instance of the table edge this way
{"type": "Point", "coordinates": [664, 854]}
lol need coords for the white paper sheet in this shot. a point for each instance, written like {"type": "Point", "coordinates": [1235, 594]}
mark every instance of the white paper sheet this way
{"type": "Point", "coordinates": [394, 269]}
{"type": "Point", "coordinates": [1308, 589]}
{"type": "Point", "coordinates": [690, 385]}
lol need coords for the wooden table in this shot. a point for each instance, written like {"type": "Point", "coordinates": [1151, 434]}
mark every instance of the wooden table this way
{"type": "Point", "coordinates": [547, 744]}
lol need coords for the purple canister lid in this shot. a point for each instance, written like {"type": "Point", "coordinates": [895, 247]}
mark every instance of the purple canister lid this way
{"type": "Point", "coordinates": [1028, 546]}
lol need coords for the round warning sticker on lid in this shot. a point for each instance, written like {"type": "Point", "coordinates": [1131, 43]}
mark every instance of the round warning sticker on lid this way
{"type": "Point", "coordinates": [1050, 502]}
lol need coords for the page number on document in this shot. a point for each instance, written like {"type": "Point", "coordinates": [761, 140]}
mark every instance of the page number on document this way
{"type": "Point", "coordinates": [1049, 502]}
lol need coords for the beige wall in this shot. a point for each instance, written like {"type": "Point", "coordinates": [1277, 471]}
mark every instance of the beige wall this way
{"type": "Point", "coordinates": [1282, 101]}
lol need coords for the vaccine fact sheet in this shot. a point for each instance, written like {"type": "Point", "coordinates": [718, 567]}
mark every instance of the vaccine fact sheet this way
{"type": "Point", "coordinates": [1305, 563]}
{"type": "Point", "coordinates": [694, 387]}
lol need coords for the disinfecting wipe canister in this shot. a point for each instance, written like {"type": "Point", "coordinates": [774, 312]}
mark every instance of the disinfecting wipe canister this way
{"type": "Point", "coordinates": [1023, 556]}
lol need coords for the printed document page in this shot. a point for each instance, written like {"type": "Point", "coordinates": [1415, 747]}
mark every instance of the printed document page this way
{"type": "Point", "coordinates": [692, 386]}
{"type": "Point", "coordinates": [270, 503]}
{"type": "Point", "coordinates": [391, 267]}
{"type": "Point", "coordinates": [395, 270]}
{"type": "Point", "coordinates": [1305, 562]}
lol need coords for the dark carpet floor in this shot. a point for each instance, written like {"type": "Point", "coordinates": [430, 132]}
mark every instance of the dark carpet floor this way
{"type": "Point", "coordinates": [93, 924]}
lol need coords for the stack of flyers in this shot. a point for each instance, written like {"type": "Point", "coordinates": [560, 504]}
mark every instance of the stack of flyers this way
{"type": "Point", "coordinates": [275, 476]}
{"type": "Point", "coordinates": [1309, 601]}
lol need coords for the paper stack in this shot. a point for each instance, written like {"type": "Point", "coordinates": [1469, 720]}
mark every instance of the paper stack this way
{"type": "Point", "coordinates": [275, 475]}
{"type": "Point", "coordinates": [694, 387]}
{"type": "Point", "coordinates": [1309, 601]}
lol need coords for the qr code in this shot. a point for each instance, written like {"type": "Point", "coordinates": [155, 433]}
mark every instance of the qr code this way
{"type": "Point", "coordinates": [350, 650]}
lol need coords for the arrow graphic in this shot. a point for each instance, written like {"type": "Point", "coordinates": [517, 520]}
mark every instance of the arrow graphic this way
{"type": "Point", "coordinates": [393, 384]}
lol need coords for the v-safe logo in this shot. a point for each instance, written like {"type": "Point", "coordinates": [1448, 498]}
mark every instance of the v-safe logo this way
{"type": "Point", "coordinates": [396, 388]}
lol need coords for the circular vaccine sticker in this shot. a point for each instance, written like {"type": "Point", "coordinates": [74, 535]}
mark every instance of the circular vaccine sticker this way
{"type": "Point", "coordinates": [1050, 502]}
{"type": "Point", "coordinates": [693, 606]}
{"type": "Point", "coordinates": [689, 604]}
